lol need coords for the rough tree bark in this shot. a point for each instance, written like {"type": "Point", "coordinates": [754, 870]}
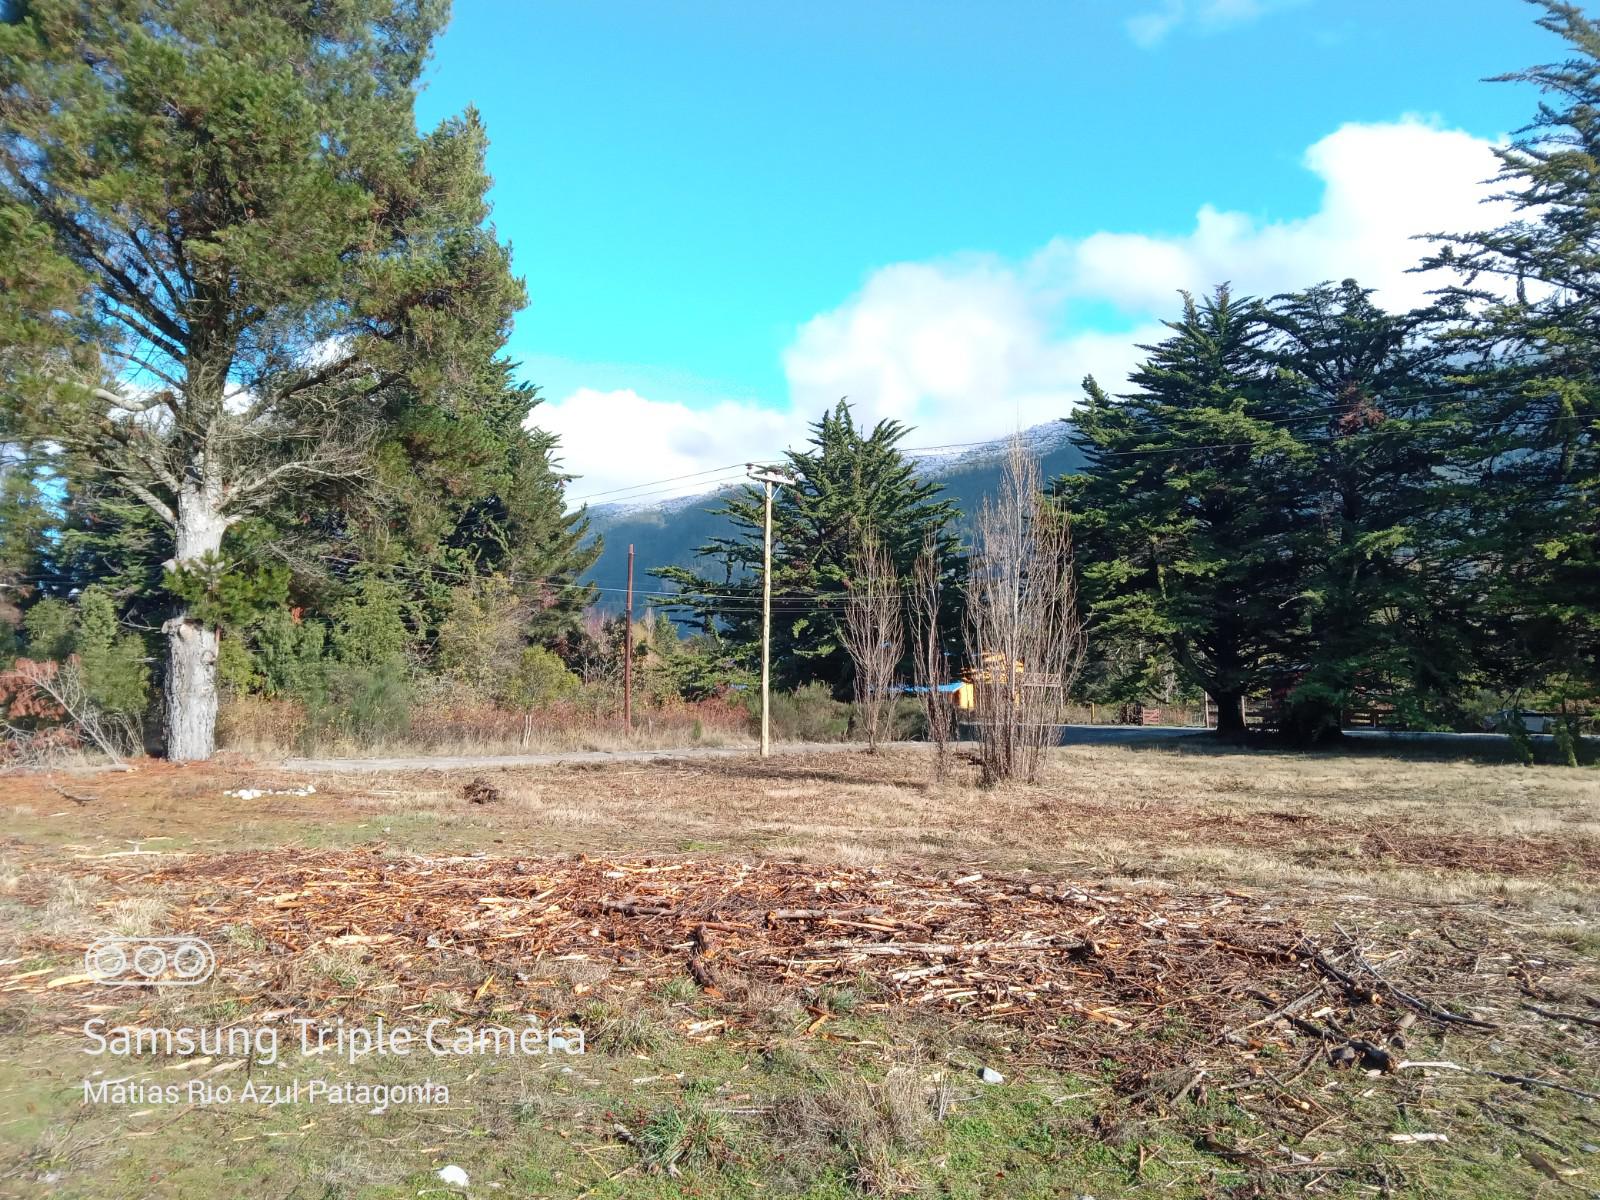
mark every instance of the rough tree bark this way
{"type": "Point", "coordinates": [191, 685]}
{"type": "Point", "coordinates": [1230, 714]}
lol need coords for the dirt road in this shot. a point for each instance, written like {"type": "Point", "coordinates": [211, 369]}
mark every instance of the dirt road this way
{"type": "Point", "coordinates": [1446, 744]}
{"type": "Point", "coordinates": [458, 762]}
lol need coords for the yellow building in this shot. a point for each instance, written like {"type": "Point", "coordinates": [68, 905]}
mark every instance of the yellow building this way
{"type": "Point", "coordinates": [990, 670]}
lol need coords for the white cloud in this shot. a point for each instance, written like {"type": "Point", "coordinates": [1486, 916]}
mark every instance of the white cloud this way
{"type": "Point", "coordinates": [1382, 186]}
{"type": "Point", "coordinates": [617, 439]}
{"type": "Point", "coordinates": [1153, 25]}
{"type": "Point", "coordinates": [963, 350]}
{"type": "Point", "coordinates": [971, 347]}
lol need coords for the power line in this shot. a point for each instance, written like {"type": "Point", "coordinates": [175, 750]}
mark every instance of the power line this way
{"type": "Point", "coordinates": [649, 483]}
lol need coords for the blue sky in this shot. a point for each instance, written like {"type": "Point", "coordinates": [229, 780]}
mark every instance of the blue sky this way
{"type": "Point", "coordinates": [729, 214]}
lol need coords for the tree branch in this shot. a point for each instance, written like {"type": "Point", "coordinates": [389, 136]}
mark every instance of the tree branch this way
{"type": "Point", "coordinates": [152, 501]}
{"type": "Point", "coordinates": [88, 247]}
{"type": "Point", "coordinates": [315, 379]}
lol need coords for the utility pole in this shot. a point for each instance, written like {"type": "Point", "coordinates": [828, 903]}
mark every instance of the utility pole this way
{"type": "Point", "coordinates": [627, 656]}
{"type": "Point", "coordinates": [767, 479]}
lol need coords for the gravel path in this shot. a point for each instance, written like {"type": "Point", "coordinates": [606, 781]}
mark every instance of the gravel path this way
{"type": "Point", "coordinates": [461, 762]}
{"type": "Point", "coordinates": [1071, 735]}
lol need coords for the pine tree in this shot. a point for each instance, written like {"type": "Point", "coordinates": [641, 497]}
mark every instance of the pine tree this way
{"type": "Point", "coordinates": [112, 661]}
{"type": "Point", "coordinates": [847, 482]}
{"type": "Point", "coordinates": [1186, 515]}
{"type": "Point", "coordinates": [236, 259]}
{"type": "Point", "coordinates": [1533, 456]}
{"type": "Point", "coordinates": [518, 524]}
{"type": "Point", "coordinates": [460, 501]}
{"type": "Point", "coordinates": [25, 518]}
{"type": "Point", "coordinates": [1386, 596]}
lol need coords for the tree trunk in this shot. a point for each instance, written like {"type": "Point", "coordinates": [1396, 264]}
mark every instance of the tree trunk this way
{"type": "Point", "coordinates": [1230, 714]}
{"type": "Point", "coordinates": [191, 644]}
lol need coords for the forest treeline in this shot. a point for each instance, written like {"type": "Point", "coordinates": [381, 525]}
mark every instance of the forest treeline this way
{"type": "Point", "coordinates": [263, 448]}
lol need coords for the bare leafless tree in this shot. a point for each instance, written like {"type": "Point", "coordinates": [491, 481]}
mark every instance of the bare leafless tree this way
{"type": "Point", "coordinates": [930, 664]}
{"type": "Point", "coordinates": [873, 634]}
{"type": "Point", "coordinates": [1024, 633]}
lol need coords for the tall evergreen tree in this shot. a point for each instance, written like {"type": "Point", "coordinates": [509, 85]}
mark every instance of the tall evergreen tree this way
{"type": "Point", "coordinates": [517, 523]}
{"type": "Point", "coordinates": [25, 518]}
{"type": "Point", "coordinates": [1186, 515]}
{"type": "Point", "coordinates": [1385, 589]}
{"type": "Point", "coordinates": [848, 481]}
{"type": "Point", "coordinates": [454, 498]}
{"type": "Point", "coordinates": [1534, 452]}
{"type": "Point", "coordinates": [237, 256]}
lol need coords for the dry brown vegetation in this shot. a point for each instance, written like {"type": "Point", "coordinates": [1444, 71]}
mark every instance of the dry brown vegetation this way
{"type": "Point", "coordinates": [1397, 825]}
{"type": "Point", "coordinates": [255, 725]}
{"type": "Point", "coordinates": [1022, 615]}
{"type": "Point", "coordinates": [1256, 956]}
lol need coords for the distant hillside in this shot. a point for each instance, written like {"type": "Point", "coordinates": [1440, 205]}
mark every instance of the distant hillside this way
{"type": "Point", "coordinates": [667, 534]}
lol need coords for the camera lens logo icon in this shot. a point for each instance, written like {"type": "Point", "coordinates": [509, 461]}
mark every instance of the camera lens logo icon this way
{"type": "Point", "coordinates": [147, 961]}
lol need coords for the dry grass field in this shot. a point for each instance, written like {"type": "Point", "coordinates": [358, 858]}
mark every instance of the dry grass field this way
{"type": "Point", "coordinates": [1200, 972]}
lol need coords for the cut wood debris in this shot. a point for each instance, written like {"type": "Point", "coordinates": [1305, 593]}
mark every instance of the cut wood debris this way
{"type": "Point", "coordinates": [1277, 1000]}
{"type": "Point", "coordinates": [1083, 968]}
{"type": "Point", "coordinates": [1033, 952]}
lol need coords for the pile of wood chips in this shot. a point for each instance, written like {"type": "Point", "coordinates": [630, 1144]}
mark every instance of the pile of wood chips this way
{"type": "Point", "coordinates": [1185, 992]}
{"type": "Point", "coordinates": [1023, 949]}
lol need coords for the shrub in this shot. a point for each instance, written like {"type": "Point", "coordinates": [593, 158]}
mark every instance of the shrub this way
{"type": "Point", "coordinates": [541, 678]}
{"type": "Point", "coordinates": [365, 703]}
{"type": "Point", "coordinates": [291, 655]}
{"type": "Point", "coordinates": [237, 669]}
{"type": "Point", "coordinates": [114, 671]}
{"type": "Point", "coordinates": [370, 626]}
{"type": "Point", "coordinates": [807, 714]}
{"type": "Point", "coordinates": [482, 633]}
{"type": "Point", "coordinates": [908, 720]}
{"type": "Point", "coordinates": [48, 626]}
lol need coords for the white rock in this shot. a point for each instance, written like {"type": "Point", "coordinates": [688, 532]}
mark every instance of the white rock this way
{"type": "Point", "coordinates": [990, 1075]}
{"type": "Point", "coordinates": [453, 1175]}
{"type": "Point", "coordinates": [308, 789]}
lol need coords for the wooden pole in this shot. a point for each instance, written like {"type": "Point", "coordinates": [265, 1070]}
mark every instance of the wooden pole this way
{"type": "Point", "coordinates": [766, 620]}
{"type": "Point", "coordinates": [767, 479]}
{"type": "Point", "coordinates": [627, 655]}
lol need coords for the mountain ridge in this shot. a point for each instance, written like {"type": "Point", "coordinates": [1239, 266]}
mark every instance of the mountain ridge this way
{"type": "Point", "coordinates": [666, 533]}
